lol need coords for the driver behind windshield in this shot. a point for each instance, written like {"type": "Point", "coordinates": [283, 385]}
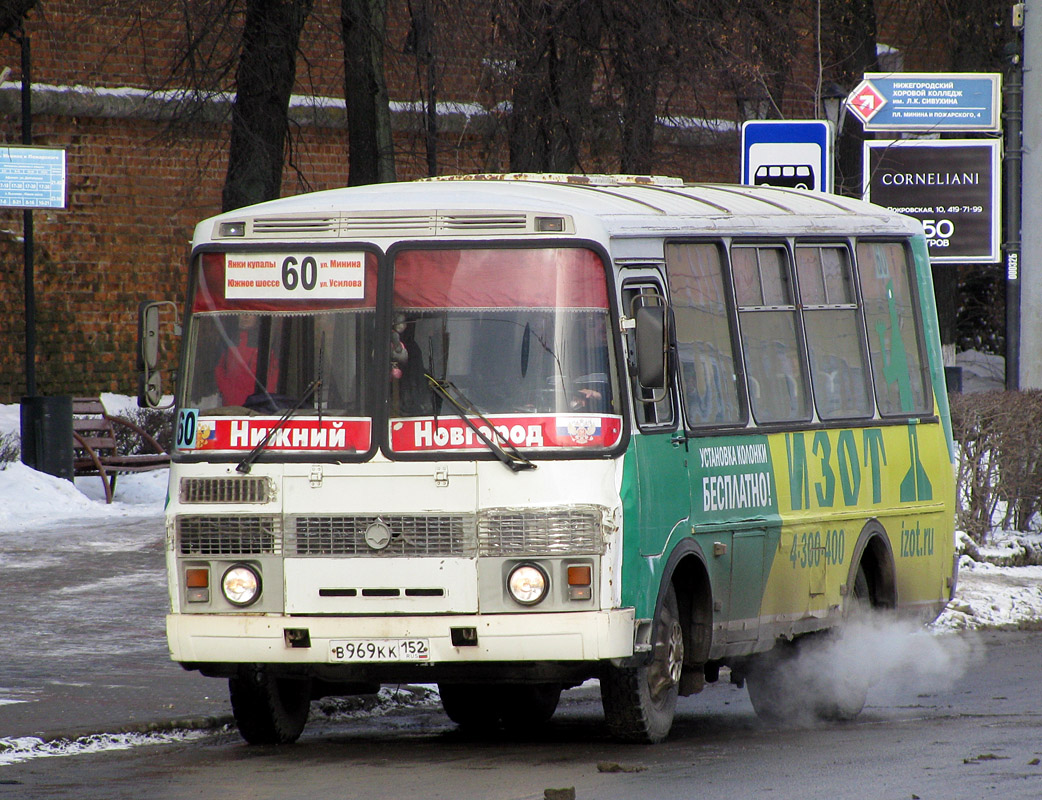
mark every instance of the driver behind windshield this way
{"type": "Point", "coordinates": [236, 370]}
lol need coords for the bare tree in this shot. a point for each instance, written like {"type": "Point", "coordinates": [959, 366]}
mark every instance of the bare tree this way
{"type": "Point", "coordinates": [422, 43]}
{"type": "Point", "coordinates": [263, 84]}
{"type": "Point", "coordinates": [12, 12]}
{"type": "Point", "coordinates": [974, 33]}
{"type": "Point", "coordinates": [638, 38]}
{"type": "Point", "coordinates": [370, 142]}
{"type": "Point", "coordinates": [555, 56]}
{"type": "Point", "coordinates": [848, 31]}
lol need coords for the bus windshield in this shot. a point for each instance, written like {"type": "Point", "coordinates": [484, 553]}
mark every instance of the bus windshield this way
{"type": "Point", "coordinates": [513, 331]}
{"type": "Point", "coordinates": [257, 353]}
{"type": "Point", "coordinates": [520, 336]}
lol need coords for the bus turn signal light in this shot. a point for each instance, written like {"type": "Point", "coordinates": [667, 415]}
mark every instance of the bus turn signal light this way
{"type": "Point", "coordinates": [197, 585]}
{"type": "Point", "coordinates": [580, 580]}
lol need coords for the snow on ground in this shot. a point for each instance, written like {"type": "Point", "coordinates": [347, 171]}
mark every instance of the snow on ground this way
{"type": "Point", "coordinates": [31, 499]}
{"type": "Point", "coordinates": [988, 595]}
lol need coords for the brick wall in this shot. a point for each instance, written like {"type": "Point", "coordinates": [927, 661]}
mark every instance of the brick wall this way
{"type": "Point", "coordinates": [137, 186]}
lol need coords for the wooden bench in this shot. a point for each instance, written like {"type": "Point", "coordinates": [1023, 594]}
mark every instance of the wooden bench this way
{"type": "Point", "coordinates": [95, 451]}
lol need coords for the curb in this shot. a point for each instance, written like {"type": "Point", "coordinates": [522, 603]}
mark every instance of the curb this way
{"type": "Point", "coordinates": [202, 723]}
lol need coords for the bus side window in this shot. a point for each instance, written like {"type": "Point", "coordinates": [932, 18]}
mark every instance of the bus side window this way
{"type": "Point", "coordinates": [770, 337]}
{"type": "Point", "coordinates": [649, 414]}
{"type": "Point", "coordinates": [705, 348]}
{"type": "Point", "coordinates": [895, 337]}
{"type": "Point", "coordinates": [838, 365]}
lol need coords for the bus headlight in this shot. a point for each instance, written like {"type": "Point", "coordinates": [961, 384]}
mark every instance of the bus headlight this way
{"type": "Point", "coordinates": [241, 585]}
{"type": "Point", "coordinates": [528, 584]}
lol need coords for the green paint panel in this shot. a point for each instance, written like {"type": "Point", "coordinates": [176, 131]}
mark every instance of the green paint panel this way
{"type": "Point", "coordinates": [721, 490]}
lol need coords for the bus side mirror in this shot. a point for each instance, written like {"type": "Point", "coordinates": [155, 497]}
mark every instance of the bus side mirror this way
{"type": "Point", "coordinates": [652, 347]}
{"type": "Point", "coordinates": [150, 379]}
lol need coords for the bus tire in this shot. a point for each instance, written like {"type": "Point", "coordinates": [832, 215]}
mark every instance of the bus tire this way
{"type": "Point", "coordinates": [527, 706]}
{"type": "Point", "coordinates": [470, 705]}
{"type": "Point", "coordinates": [768, 680]}
{"type": "Point", "coordinates": [269, 709]}
{"type": "Point", "coordinates": [639, 702]}
{"type": "Point", "coordinates": [782, 690]}
{"type": "Point", "coordinates": [845, 697]}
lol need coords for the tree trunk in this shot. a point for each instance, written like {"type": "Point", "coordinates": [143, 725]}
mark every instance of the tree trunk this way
{"type": "Point", "coordinates": [553, 84]}
{"type": "Point", "coordinates": [263, 84]}
{"type": "Point", "coordinates": [532, 105]}
{"type": "Point", "coordinates": [638, 30]}
{"type": "Point", "coordinates": [12, 12]}
{"type": "Point", "coordinates": [369, 134]}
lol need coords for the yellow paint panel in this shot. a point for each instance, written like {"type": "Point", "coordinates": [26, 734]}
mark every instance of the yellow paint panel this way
{"type": "Point", "coordinates": [830, 484]}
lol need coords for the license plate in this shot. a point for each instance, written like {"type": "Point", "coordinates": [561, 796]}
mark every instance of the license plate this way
{"type": "Point", "coordinates": [373, 650]}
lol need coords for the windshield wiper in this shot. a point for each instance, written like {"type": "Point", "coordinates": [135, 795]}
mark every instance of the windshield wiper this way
{"type": "Point", "coordinates": [464, 408]}
{"type": "Point", "coordinates": [247, 463]}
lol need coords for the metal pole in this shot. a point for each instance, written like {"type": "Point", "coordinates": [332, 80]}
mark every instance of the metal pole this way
{"type": "Point", "coordinates": [27, 222]}
{"type": "Point", "coordinates": [1012, 162]}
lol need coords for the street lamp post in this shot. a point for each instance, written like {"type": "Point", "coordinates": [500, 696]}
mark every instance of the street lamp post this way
{"type": "Point", "coordinates": [834, 104]}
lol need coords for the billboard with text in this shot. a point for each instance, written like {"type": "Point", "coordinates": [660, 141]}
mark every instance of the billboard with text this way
{"type": "Point", "coordinates": [952, 186]}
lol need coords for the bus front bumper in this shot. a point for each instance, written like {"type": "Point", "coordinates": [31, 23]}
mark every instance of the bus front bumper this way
{"type": "Point", "coordinates": [243, 638]}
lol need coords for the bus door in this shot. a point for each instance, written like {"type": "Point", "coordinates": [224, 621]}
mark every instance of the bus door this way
{"type": "Point", "coordinates": [659, 451]}
{"type": "Point", "coordinates": [730, 471]}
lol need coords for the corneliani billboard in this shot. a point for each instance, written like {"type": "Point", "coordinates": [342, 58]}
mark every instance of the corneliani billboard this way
{"type": "Point", "coordinates": [951, 186]}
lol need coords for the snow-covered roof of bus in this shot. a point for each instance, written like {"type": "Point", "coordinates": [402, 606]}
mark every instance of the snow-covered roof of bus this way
{"type": "Point", "coordinates": [619, 205]}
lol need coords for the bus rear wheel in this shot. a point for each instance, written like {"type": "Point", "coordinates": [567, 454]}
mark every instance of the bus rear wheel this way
{"type": "Point", "coordinates": [469, 705]}
{"type": "Point", "coordinates": [269, 709]}
{"type": "Point", "coordinates": [524, 707]}
{"type": "Point", "coordinates": [639, 702]}
{"type": "Point", "coordinates": [802, 678]}
{"type": "Point", "coordinates": [849, 691]}
{"type": "Point", "coordinates": [518, 706]}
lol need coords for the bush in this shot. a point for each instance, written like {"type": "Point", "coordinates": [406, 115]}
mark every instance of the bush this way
{"type": "Point", "coordinates": [10, 448]}
{"type": "Point", "coordinates": [157, 422]}
{"type": "Point", "coordinates": [999, 451]}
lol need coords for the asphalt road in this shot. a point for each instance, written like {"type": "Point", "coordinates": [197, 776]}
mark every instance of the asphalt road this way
{"type": "Point", "coordinates": [980, 737]}
{"type": "Point", "coordinates": [82, 648]}
{"type": "Point", "coordinates": [82, 639]}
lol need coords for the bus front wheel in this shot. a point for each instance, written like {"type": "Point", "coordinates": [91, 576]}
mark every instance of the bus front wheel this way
{"type": "Point", "coordinates": [269, 709]}
{"type": "Point", "coordinates": [639, 702]}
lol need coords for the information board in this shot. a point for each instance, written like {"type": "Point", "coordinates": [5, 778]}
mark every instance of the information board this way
{"type": "Point", "coordinates": [32, 177]}
{"type": "Point", "coordinates": [927, 101]}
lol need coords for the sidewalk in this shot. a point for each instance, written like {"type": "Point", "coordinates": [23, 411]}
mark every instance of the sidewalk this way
{"type": "Point", "coordinates": [164, 698]}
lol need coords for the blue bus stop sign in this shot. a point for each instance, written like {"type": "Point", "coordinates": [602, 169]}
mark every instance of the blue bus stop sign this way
{"type": "Point", "coordinates": [792, 154]}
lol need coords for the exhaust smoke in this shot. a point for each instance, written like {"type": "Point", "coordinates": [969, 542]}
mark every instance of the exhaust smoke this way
{"type": "Point", "coordinates": [828, 676]}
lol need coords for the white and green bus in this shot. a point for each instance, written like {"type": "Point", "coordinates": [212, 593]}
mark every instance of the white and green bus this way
{"type": "Point", "coordinates": [507, 434]}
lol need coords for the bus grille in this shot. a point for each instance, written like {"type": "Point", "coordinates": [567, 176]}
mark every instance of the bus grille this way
{"type": "Point", "coordinates": [224, 490]}
{"type": "Point", "coordinates": [540, 532]}
{"type": "Point", "coordinates": [295, 226]}
{"type": "Point", "coordinates": [228, 535]}
{"type": "Point", "coordinates": [420, 535]}
{"type": "Point", "coordinates": [482, 223]}
{"type": "Point", "coordinates": [420, 223]}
